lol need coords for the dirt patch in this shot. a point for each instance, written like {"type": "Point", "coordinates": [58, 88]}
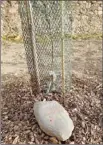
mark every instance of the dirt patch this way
{"type": "Point", "coordinates": [86, 59]}
{"type": "Point", "coordinates": [13, 59]}
{"type": "Point", "coordinates": [83, 103]}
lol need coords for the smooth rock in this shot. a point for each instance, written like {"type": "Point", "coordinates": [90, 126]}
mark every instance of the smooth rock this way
{"type": "Point", "coordinates": [53, 119]}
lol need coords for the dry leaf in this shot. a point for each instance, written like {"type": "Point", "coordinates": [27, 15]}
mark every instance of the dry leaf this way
{"type": "Point", "coordinates": [36, 141]}
{"type": "Point", "coordinates": [30, 142]}
{"type": "Point", "coordinates": [72, 142]}
{"type": "Point", "coordinates": [83, 124]}
{"type": "Point", "coordinates": [54, 140]}
{"type": "Point", "coordinates": [16, 140]}
{"type": "Point", "coordinates": [83, 142]}
{"type": "Point", "coordinates": [46, 137]}
{"type": "Point", "coordinates": [18, 38]}
{"type": "Point", "coordinates": [8, 139]}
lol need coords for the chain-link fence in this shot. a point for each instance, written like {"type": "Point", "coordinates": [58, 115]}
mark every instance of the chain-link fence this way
{"type": "Point", "coordinates": [47, 27]}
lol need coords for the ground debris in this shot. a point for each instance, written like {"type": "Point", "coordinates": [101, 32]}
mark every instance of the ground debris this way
{"type": "Point", "coordinates": [18, 124]}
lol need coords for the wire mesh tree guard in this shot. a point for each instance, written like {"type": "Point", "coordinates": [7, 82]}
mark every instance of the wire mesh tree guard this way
{"type": "Point", "coordinates": [47, 28]}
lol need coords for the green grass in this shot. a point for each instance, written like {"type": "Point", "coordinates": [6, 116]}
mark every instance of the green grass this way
{"type": "Point", "coordinates": [44, 38]}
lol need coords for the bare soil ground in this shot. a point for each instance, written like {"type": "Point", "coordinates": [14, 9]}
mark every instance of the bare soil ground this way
{"type": "Point", "coordinates": [83, 102]}
{"type": "Point", "coordinates": [86, 58]}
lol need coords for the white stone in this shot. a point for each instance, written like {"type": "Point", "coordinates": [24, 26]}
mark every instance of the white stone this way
{"type": "Point", "coordinates": [53, 119]}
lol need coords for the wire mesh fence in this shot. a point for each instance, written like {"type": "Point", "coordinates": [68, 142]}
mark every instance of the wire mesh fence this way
{"type": "Point", "coordinates": [47, 28]}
